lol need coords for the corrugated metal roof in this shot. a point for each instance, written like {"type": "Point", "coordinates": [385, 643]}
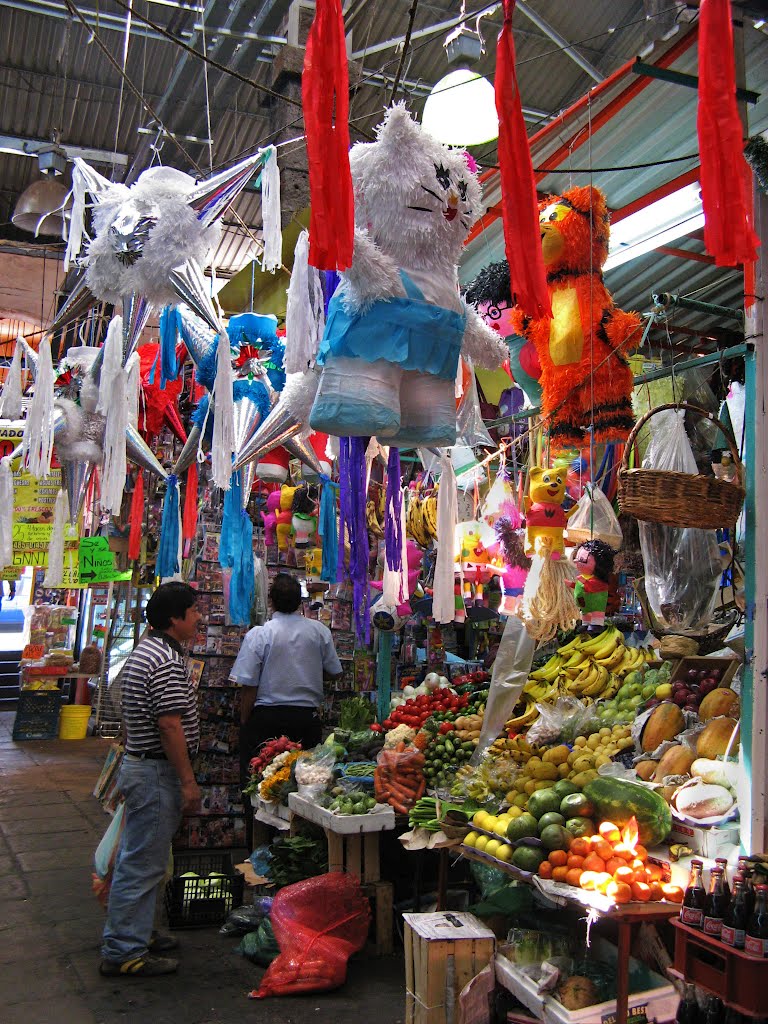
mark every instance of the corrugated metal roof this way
{"type": "Point", "coordinates": [53, 77]}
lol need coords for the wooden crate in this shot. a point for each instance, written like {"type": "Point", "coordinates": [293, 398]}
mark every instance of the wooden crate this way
{"type": "Point", "coordinates": [443, 953]}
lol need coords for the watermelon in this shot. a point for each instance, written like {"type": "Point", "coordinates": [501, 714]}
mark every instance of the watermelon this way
{"type": "Point", "coordinates": [617, 801]}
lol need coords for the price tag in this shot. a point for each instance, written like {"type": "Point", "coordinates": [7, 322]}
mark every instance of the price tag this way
{"type": "Point", "coordinates": [33, 652]}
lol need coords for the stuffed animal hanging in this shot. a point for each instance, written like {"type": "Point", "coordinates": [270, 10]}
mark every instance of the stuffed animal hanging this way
{"type": "Point", "coordinates": [584, 349]}
{"type": "Point", "coordinates": [396, 325]}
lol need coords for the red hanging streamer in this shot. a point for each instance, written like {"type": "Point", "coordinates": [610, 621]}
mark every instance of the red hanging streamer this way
{"type": "Point", "coordinates": [325, 79]}
{"type": "Point", "coordinates": [726, 180]}
{"type": "Point", "coordinates": [137, 517]}
{"type": "Point", "coordinates": [520, 208]}
{"type": "Point", "coordinates": [189, 519]}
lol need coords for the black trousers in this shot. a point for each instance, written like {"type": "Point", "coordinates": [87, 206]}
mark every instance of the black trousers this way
{"type": "Point", "coordinates": [300, 724]}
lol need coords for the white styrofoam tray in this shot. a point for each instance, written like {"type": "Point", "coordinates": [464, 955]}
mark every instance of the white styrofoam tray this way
{"type": "Point", "coordinates": [380, 819]}
{"type": "Point", "coordinates": [660, 1003]}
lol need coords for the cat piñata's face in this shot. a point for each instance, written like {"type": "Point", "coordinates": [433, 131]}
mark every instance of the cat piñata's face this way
{"type": "Point", "coordinates": [414, 195]}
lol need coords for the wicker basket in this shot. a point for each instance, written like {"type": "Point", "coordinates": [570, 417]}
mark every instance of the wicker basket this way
{"type": "Point", "coordinates": [679, 499]}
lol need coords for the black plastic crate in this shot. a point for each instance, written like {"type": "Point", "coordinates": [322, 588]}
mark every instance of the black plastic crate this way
{"type": "Point", "coordinates": [37, 715]}
{"type": "Point", "coordinates": [202, 902]}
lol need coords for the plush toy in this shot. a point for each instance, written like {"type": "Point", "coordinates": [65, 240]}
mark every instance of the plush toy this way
{"type": "Point", "coordinates": [545, 518]}
{"type": "Point", "coordinates": [491, 295]}
{"type": "Point", "coordinates": [304, 521]}
{"type": "Point", "coordinates": [270, 517]}
{"type": "Point", "coordinates": [396, 324]}
{"type": "Point", "coordinates": [594, 563]}
{"type": "Point", "coordinates": [584, 349]}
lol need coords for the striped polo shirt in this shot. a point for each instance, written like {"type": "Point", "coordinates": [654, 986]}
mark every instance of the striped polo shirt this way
{"type": "Point", "coordinates": [154, 682]}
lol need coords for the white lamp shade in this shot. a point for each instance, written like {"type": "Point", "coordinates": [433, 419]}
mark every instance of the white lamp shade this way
{"type": "Point", "coordinates": [461, 110]}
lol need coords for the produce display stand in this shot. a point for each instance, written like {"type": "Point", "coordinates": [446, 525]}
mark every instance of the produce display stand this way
{"type": "Point", "coordinates": [626, 916]}
{"type": "Point", "coordinates": [353, 847]}
{"type": "Point", "coordinates": [732, 975]}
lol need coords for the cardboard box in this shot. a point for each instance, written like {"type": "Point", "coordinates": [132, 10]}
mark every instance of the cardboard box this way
{"type": "Point", "coordinates": [443, 953]}
{"type": "Point", "coordinates": [709, 842]}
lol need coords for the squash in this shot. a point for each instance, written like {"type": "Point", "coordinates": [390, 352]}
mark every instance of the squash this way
{"type": "Point", "coordinates": [618, 801]}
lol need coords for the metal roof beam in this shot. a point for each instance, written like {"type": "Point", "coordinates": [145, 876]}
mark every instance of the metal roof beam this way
{"type": "Point", "coordinates": [559, 40]}
{"type": "Point", "coordinates": [17, 145]}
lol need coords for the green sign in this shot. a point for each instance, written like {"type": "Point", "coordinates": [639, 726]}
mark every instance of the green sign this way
{"type": "Point", "coordinates": [97, 562]}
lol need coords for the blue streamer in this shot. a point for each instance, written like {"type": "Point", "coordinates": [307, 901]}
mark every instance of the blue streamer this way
{"type": "Point", "coordinates": [252, 329]}
{"type": "Point", "coordinates": [236, 553]}
{"type": "Point", "coordinates": [327, 530]}
{"type": "Point", "coordinates": [153, 370]}
{"type": "Point", "coordinates": [169, 369]}
{"type": "Point", "coordinates": [256, 391]}
{"type": "Point", "coordinates": [168, 549]}
{"type": "Point", "coordinates": [331, 281]}
{"type": "Point", "coordinates": [198, 417]}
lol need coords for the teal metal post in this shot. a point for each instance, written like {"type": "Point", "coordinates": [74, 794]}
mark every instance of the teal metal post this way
{"type": "Point", "coordinates": [383, 674]}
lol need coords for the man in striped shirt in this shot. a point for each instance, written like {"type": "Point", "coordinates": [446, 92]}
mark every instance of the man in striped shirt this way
{"type": "Point", "coordinates": [162, 729]}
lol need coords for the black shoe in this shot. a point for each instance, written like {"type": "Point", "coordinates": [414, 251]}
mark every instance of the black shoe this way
{"type": "Point", "coordinates": [161, 942]}
{"type": "Point", "coordinates": [146, 966]}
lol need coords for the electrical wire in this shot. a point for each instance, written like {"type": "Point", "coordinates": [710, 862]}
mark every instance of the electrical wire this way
{"type": "Point", "coordinates": [404, 53]}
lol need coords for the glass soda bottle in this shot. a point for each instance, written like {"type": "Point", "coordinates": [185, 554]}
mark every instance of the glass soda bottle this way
{"type": "Point", "coordinates": [692, 910]}
{"type": "Point", "coordinates": [722, 863]}
{"type": "Point", "coordinates": [714, 1011]}
{"type": "Point", "coordinates": [745, 870]}
{"type": "Point", "coordinates": [756, 939]}
{"type": "Point", "coordinates": [688, 1008]}
{"type": "Point", "coordinates": [735, 918]}
{"type": "Point", "coordinates": [715, 905]}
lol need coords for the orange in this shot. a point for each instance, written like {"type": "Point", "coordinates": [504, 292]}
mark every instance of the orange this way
{"type": "Point", "coordinates": [641, 891]}
{"type": "Point", "coordinates": [641, 853]}
{"type": "Point", "coordinates": [603, 849]}
{"type": "Point", "coordinates": [619, 892]}
{"type": "Point", "coordinates": [579, 847]}
{"type": "Point", "coordinates": [575, 862]}
{"type": "Point", "coordinates": [609, 831]}
{"type": "Point", "coordinates": [654, 872]}
{"type": "Point", "coordinates": [545, 869]}
{"type": "Point", "coordinates": [558, 858]}
{"type": "Point", "coordinates": [624, 851]}
{"type": "Point", "coordinates": [560, 874]}
{"type": "Point", "coordinates": [588, 879]}
{"type": "Point", "coordinates": [657, 893]}
{"type": "Point", "coordinates": [637, 865]}
{"type": "Point", "coordinates": [673, 893]}
{"type": "Point", "coordinates": [613, 864]}
{"type": "Point", "coordinates": [593, 863]}
{"type": "Point", "coordinates": [624, 874]}
{"type": "Point", "coordinates": [602, 881]}
{"type": "Point", "coordinates": [573, 876]}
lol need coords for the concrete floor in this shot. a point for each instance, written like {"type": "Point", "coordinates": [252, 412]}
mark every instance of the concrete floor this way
{"type": "Point", "coordinates": [50, 922]}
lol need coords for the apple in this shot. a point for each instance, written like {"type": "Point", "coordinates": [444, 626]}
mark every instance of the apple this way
{"type": "Point", "coordinates": [690, 707]}
{"type": "Point", "coordinates": [680, 698]}
{"type": "Point", "coordinates": [692, 673]}
{"type": "Point", "coordinates": [653, 702]}
{"type": "Point", "coordinates": [715, 673]}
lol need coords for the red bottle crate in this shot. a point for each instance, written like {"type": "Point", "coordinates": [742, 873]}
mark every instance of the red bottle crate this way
{"type": "Point", "coordinates": [738, 979]}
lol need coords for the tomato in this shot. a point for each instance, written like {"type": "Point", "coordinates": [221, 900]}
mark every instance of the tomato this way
{"type": "Point", "coordinates": [376, 727]}
{"type": "Point", "coordinates": [446, 727]}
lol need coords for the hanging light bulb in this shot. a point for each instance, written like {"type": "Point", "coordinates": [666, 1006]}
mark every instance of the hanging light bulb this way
{"type": "Point", "coordinates": [461, 109]}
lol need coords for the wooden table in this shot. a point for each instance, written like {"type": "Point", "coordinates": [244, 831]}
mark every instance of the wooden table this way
{"type": "Point", "coordinates": [626, 917]}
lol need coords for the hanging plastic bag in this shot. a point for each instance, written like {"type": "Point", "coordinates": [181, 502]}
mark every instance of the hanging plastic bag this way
{"type": "Point", "coordinates": [105, 855]}
{"type": "Point", "coordinates": [682, 566]}
{"type": "Point", "coordinates": [470, 429]}
{"type": "Point", "coordinates": [508, 677]}
{"type": "Point", "coordinates": [318, 923]}
{"type": "Point", "coordinates": [594, 519]}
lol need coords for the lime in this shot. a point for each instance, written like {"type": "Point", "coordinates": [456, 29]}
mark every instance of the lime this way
{"type": "Point", "coordinates": [550, 818]}
{"type": "Point", "coordinates": [580, 827]}
{"type": "Point", "coordinates": [555, 837]}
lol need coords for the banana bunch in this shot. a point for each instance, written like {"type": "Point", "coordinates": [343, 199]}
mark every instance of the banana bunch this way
{"type": "Point", "coordinates": [517, 749]}
{"type": "Point", "coordinates": [374, 515]}
{"type": "Point", "coordinates": [421, 520]}
{"type": "Point", "coordinates": [525, 717]}
{"type": "Point", "coordinates": [587, 667]}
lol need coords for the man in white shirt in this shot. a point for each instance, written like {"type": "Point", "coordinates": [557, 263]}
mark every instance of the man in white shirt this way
{"type": "Point", "coordinates": [281, 667]}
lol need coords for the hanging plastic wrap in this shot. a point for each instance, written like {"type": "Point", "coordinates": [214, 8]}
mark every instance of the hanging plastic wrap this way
{"type": "Point", "coordinates": [470, 429]}
{"type": "Point", "coordinates": [594, 519]}
{"type": "Point", "coordinates": [682, 566]}
{"type": "Point", "coordinates": [509, 676]}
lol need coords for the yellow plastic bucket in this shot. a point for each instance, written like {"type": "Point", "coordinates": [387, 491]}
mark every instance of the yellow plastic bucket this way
{"type": "Point", "coordinates": [73, 724]}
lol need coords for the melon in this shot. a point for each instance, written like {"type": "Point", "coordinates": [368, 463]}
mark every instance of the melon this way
{"type": "Point", "coordinates": [719, 702]}
{"type": "Point", "coordinates": [676, 761]}
{"type": "Point", "coordinates": [618, 801]}
{"type": "Point", "coordinates": [646, 769]}
{"type": "Point", "coordinates": [715, 738]}
{"type": "Point", "coordinates": [665, 722]}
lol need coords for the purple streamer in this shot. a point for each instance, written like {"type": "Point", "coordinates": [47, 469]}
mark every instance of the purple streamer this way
{"type": "Point", "coordinates": [352, 471]}
{"type": "Point", "coordinates": [393, 532]}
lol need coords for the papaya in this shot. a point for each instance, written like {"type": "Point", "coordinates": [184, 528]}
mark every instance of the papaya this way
{"type": "Point", "coordinates": [646, 769]}
{"type": "Point", "coordinates": [719, 702]}
{"type": "Point", "coordinates": [665, 722]}
{"type": "Point", "coordinates": [676, 761]}
{"type": "Point", "coordinates": [715, 738]}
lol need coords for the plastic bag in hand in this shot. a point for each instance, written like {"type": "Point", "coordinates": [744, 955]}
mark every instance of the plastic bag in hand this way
{"type": "Point", "coordinates": [318, 924]}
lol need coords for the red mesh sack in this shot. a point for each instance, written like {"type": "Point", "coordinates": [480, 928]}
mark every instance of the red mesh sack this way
{"type": "Point", "coordinates": [318, 923]}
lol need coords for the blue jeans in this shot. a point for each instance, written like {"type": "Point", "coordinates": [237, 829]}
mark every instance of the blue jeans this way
{"type": "Point", "coordinates": [152, 794]}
